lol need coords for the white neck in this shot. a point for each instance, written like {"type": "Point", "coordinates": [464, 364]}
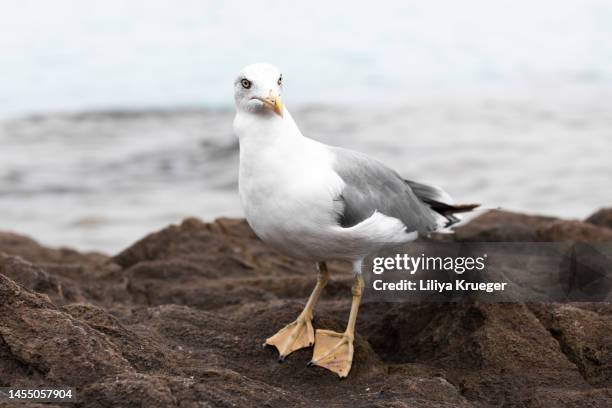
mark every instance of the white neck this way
{"type": "Point", "coordinates": [256, 127]}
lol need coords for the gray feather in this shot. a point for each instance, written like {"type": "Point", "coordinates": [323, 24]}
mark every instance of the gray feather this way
{"type": "Point", "coordinates": [371, 186]}
{"type": "Point", "coordinates": [427, 192]}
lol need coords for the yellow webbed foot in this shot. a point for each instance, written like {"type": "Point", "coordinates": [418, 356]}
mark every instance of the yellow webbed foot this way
{"type": "Point", "coordinates": [292, 337]}
{"type": "Point", "coordinates": [333, 351]}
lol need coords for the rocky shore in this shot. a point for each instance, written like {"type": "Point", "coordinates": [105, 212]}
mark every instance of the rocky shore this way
{"type": "Point", "coordinates": [178, 319]}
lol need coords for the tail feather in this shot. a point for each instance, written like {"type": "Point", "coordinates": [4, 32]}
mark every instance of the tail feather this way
{"type": "Point", "coordinates": [439, 201]}
{"type": "Point", "coordinates": [444, 208]}
{"type": "Point", "coordinates": [448, 211]}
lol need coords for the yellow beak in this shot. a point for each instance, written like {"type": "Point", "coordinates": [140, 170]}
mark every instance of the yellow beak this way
{"type": "Point", "coordinates": [273, 101]}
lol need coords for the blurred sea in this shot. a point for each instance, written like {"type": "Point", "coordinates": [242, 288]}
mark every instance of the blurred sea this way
{"type": "Point", "coordinates": [507, 103]}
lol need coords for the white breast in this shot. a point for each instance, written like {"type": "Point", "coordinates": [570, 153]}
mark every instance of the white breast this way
{"type": "Point", "coordinates": [287, 188]}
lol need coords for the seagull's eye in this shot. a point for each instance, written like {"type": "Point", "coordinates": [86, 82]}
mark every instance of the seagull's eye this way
{"type": "Point", "coordinates": [280, 80]}
{"type": "Point", "coordinates": [246, 84]}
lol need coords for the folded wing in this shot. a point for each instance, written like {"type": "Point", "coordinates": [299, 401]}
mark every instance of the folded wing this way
{"type": "Point", "coordinates": [371, 186]}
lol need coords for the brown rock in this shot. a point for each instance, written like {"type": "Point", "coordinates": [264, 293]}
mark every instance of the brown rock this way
{"type": "Point", "coordinates": [574, 231]}
{"type": "Point", "coordinates": [60, 290]}
{"type": "Point", "coordinates": [40, 338]}
{"type": "Point", "coordinates": [31, 250]}
{"type": "Point", "coordinates": [584, 336]}
{"type": "Point", "coordinates": [562, 398]}
{"type": "Point", "coordinates": [178, 319]}
{"type": "Point", "coordinates": [602, 218]}
{"type": "Point", "coordinates": [502, 226]}
{"type": "Point", "coordinates": [478, 347]}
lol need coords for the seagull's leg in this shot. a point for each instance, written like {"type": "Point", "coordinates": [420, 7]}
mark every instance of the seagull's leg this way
{"type": "Point", "coordinates": [333, 350]}
{"type": "Point", "coordinates": [300, 334]}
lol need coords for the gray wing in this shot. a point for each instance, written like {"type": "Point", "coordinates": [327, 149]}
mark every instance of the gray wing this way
{"type": "Point", "coordinates": [371, 186]}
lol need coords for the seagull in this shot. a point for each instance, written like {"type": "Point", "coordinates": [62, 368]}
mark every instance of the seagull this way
{"type": "Point", "coordinates": [318, 203]}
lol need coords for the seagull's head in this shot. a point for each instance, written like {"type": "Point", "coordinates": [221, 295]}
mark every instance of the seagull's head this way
{"type": "Point", "coordinates": [257, 89]}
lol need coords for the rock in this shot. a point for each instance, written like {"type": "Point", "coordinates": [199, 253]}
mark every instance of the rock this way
{"type": "Point", "coordinates": [141, 348]}
{"type": "Point", "coordinates": [59, 289]}
{"type": "Point", "coordinates": [211, 266]}
{"type": "Point", "coordinates": [503, 226]}
{"type": "Point", "coordinates": [476, 347]}
{"type": "Point", "coordinates": [602, 218]}
{"type": "Point", "coordinates": [584, 336]}
{"type": "Point", "coordinates": [31, 250]}
{"type": "Point", "coordinates": [562, 398]}
{"type": "Point", "coordinates": [40, 338]}
{"type": "Point", "coordinates": [179, 318]}
{"type": "Point", "coordinates": [130, 390]}
{"type": "Point", "coordinates": [574, 231]}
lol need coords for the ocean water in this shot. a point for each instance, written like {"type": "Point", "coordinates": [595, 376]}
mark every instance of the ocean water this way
{"type": "Point", "coordinates": [115, 117]}
{"type": "Point", "coordinates": [86, 54]}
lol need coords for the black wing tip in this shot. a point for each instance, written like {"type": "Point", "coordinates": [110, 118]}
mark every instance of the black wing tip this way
{"type": "Point", "coordinates": [460, 208]}
{"type": "Point", "coordinates": [448, 211]}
